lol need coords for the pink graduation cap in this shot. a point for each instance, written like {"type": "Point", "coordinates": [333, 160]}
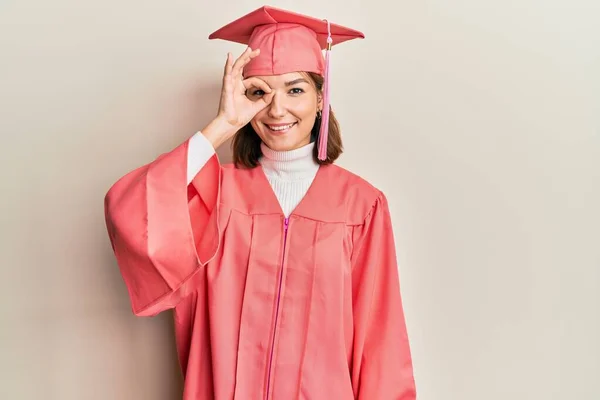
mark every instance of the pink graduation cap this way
{"type": "Point", "coordinates": [289, 42]}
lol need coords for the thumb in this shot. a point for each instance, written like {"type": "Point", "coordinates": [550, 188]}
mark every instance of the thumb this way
{"type": "Point", "coordinates": [264, 101]}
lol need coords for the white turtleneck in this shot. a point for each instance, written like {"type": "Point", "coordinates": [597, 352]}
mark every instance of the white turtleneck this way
{"type": "Point", "coordinates": [290, 173]}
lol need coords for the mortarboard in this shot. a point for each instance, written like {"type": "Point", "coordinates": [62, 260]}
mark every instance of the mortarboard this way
{"type": "Point", "coordinates": [289, 42]}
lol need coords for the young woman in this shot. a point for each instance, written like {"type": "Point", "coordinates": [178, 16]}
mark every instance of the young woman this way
{"type": "Point", "coordinates": [280, 267]}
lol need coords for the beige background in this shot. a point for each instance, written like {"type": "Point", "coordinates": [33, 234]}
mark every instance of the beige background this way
{"type": "Point", "coordinates": [480, 119]}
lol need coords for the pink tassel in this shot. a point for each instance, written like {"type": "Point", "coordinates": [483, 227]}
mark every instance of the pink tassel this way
{"type": "Point", "coordinates": [324, 131]}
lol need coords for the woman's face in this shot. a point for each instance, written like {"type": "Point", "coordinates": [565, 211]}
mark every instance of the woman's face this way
{"type": "Point", "coordinates": [286, 123]}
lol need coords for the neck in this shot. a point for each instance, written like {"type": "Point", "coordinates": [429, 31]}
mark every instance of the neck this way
{"type": "Point", "coordinates": [289, 165]}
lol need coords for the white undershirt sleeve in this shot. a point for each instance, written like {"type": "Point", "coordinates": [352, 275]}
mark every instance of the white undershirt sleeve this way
{"type": "Point", "coordinates": [200, 150]}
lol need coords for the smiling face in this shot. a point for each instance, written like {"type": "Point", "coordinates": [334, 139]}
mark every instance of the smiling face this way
{"type": "Point", "coordinates": [286, 123]}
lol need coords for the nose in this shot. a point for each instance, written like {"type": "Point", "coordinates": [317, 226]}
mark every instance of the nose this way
{"type": "Point", "coordinates": [277, 108]}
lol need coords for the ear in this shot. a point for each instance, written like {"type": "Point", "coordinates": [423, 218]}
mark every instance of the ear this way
{"type": "Point", "coordinates": [319, 101]}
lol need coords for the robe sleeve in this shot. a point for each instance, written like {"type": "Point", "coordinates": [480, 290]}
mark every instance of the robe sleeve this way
{"type": "Point", "coordinates": [162, 229]}
{"type": "Point", "coordinates": [382, 365]}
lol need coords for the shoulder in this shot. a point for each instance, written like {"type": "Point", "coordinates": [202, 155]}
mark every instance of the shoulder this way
{"type": "Point", "coordinates": [236, 178]}
{"type": "Point", "coordinates": [359, 195]}
{"type": "Point", "coordinates": [229, 168]}
{"type": "Point", "coordinates": [233, 172]}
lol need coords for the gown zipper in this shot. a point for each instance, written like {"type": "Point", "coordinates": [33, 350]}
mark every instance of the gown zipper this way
{"type": "Point", "coordinates": [286, 223]}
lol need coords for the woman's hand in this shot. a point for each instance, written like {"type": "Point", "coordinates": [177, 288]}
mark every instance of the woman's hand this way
{"type": "Point", "coordinates": [235, 108]}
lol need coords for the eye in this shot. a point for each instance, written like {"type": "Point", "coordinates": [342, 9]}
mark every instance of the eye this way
{"type": "Point", "coordinates": [296, 91]}
{"type": "Point", "coordinates": [257, 92]}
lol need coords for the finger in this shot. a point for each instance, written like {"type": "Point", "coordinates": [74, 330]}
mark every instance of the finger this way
{"type": "Point", "coordinates": [263, 102]}
{"type": "Point", "coordinates": [268, 98]}
{"type": "Point", "coordinates": [228, 65]}
{"type": "Point", "coordinates": [227, 78]}
{"type": "Point", "coordinates": [241, 61]}
{"type": "Point", "coordinates": [227, 71]}
{"type": "Point", "coordinates": [257, 83]}
{"type": "Point", "coordinates": [252, 55]}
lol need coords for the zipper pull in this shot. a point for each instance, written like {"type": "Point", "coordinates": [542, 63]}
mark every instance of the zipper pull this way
{"type": "Point", "coordinates": [286, 222]}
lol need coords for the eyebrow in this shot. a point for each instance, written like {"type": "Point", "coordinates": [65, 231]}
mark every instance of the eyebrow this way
{"type": "Point", "coordinates": [296, 81]}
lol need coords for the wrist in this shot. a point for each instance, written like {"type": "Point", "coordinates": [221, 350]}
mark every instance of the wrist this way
{"type": "Point", "coordinates": [218, 131]}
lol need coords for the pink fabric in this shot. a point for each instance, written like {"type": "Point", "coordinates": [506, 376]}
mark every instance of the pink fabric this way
{"type": "Point", "coordinates": [324, 130]}
{"type": "Point", "coordinates": [265, 308]}
{"type": "Point", "coordinates": [288, 41]}
{"type": "Point", "coordinates": [284, 48]}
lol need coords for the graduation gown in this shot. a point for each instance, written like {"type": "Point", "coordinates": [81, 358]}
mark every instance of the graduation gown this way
{"type": "Point", "coordinates": [265, 307]}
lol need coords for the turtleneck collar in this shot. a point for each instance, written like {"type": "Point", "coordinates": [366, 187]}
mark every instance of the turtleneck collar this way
{"type": "Point", "coordinates": [294, 164]}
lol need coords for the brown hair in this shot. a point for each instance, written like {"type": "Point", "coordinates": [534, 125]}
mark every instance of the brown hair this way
{"type": "Point", "coordinates": [246, 143]}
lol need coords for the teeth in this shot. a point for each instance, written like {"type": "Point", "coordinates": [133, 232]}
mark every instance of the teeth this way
{"type": "Point", "coordinates": [280, 128]}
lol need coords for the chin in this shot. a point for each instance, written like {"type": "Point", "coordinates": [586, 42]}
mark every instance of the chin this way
{"type": "Point", "coordinates": [279, 145]}
{"type": "Point", "coordinates": [286, 144]}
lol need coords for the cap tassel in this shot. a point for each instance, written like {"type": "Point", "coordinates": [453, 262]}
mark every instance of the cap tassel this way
{"type": "Point", "coordinates": [324, 131]}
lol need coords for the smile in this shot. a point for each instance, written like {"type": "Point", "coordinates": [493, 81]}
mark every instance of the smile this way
{"type": "Point", "coordinates": [280, 128]}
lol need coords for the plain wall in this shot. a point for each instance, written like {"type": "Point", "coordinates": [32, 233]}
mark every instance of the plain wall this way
{"type": "Point", "coordinates": [479, 119]}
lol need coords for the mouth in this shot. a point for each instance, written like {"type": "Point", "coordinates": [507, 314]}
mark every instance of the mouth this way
{"type": "Point", "coordinates": [280, 128]}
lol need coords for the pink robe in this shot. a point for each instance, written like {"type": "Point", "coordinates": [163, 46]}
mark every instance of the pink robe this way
{"type": "Point", "coordinates": [266, 307]}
